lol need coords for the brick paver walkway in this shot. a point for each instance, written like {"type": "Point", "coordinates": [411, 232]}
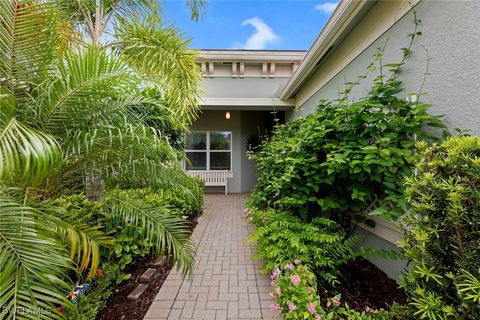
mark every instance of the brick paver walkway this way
{"type": "Point", "coordinates": [227, 283]}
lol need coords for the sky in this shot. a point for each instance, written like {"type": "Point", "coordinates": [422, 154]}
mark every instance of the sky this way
{"type": "Point", "coordinates": [250, 24]}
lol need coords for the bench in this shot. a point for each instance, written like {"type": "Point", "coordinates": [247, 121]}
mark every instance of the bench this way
{"type": "Point", "coordinates": [213, 178]}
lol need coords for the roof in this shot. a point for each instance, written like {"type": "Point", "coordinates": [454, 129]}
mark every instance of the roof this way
{"type": "Point", "coordinates": [347, 14]}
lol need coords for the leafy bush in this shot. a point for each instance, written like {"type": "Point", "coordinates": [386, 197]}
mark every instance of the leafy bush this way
{"type": "Point", "coordinates": [188, 203]}
{"type": "Point", "coordinates": [347, 154]}
{"type": "Point", "coordinates": [320, 244]}
{"type": "Point", "coordinates": [317, 173]}
{"type": "Point", "coordinates": [442, 232]}
{"type": "Point", "coordinates": [342, 156]}
{"type": "Point", "coordinates": [124, 237]}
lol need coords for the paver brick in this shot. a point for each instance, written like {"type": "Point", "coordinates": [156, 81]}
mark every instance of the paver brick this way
{"type": "Point", "coordinates": [227, 283]}
{"type": "Point", "coordinates": [137, 292]}
{"type": "Point", "coordinates": [148, 275]}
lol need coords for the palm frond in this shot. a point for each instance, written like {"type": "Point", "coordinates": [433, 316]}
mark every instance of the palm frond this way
{"type": "Point", "coordinates": [27, 156]}
{"type": "Point", "coordinates": [81, 237]}
{"type": "Point", "coordinates": [123, 142]}
{"type": "Point", "coordinates": [118, 154]}
{"type": "Point", "coordinates": [27, 42]}
{"type": "Point", "coordinates": [141, 173]}
{"type": "Point", "coordinates": [84, 83]}
{"type": "Point", "coordinates": [168, 233]}
{"type": "Point", "coordinates": [163, 55]}
{"type": "Point", "coordinates": [31, 264]}
{"type": "Point", "coordinates": [197, 8]}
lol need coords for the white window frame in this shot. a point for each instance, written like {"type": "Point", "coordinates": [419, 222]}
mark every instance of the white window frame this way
{"type": "Point", "coordinates": [208, 151]}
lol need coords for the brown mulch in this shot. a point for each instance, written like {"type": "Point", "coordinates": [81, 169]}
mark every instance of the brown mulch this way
{"type": "Point", "coordinates": [363, 284]}
{"type": "Point", "coordinates": [119, 307]}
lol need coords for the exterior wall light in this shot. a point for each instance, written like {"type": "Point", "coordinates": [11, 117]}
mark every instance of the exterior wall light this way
{"type": "Point", "coordinates": [227, 115]}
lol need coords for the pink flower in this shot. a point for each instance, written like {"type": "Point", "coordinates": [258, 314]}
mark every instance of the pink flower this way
{"type": "Point", "coordinates": [275, 307]}
{"type": "Point", "coordinates": [296, 261]}
{"type": "Point", "coordinates": [311, 308]}
{"type": "Point", "coordinates": [318, 317]}
{"type": "Point", "coordinates": [370, 310]}
{"type": "Point", "coordinates": [275, 273]}
{"type": "Point", "coordinates": [292, 307]}
{"type": "Point", "coordinates": [289, 266]}
{"type": "Point", "coordinates": [294, 279]}
{"type": "Point", "coordinates": [274, 282]}
{"type": "Point", "coordinates": [278, 291]}
{"type": "Point", "coordinates": [336, 302]}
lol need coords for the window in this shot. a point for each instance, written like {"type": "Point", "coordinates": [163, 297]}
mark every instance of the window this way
{"type": "Point", "coordinates": [211, 150]}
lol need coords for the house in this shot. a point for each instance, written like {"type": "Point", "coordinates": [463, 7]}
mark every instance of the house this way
{"type": "Point", "coordinates": [244, 87]}
{"type": "Point", "coordinates": [241, 102]}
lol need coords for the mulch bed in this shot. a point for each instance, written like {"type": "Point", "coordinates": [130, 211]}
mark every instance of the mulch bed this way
{"type": "Point", "coordinates": [363, 285]}
{"type": "Point", "coordinates": [119, 307]}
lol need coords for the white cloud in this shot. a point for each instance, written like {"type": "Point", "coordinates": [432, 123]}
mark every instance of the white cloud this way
{"type": "Point", "coordinates": [263, 35]}
{"type": "Point", "coordinates": [327, 7]}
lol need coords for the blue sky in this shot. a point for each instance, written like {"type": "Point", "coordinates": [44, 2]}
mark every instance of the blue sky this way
{"type": "Point", "coordinates": [261, 24]}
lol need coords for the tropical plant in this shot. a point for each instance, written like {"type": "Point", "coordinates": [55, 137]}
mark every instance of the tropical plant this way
{"type": "Point", "coordinates": [67, 126]}
{"type": "Point", "coordinates": [348, 156]}
{"type": "Point", "coordinates": [441, 231]}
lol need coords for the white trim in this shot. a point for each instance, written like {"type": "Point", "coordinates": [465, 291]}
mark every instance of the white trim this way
{"type": "Point", "coordinates": [384, 229]}
{"type": "Point", "coordinates": [252, 55]}
{"type": "Point", "coordinates": [345, 12]}
{"type": "Point", "coordinates": [272, 103]}
{"type": "Point", "coordinates": [345, 21]}
{"type": "Point", "coordinates": [247, 76]}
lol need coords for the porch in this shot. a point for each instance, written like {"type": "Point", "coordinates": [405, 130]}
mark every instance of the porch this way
{"type": "Point", "coordinates": [218, 142]}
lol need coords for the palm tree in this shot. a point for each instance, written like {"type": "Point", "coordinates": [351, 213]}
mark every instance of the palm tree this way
{"type": "Point", "coordinates": [66, 102]}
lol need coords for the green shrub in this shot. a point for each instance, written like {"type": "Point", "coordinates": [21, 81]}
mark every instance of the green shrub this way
{"type": "Point", "coordinates": [346, 154]}
{"type": "Point", "coordinates": [342, 156]}
{"type": "Point", "coordinates": [319, 245]}
{"type": "Point", "coordinates": [442, 231]}
{"type": "Point", "coordinates": [126, 236]}
{"type": "Point", "coordinates": [181, 204]}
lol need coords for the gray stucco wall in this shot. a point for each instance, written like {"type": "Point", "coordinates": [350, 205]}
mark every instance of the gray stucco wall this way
{"type": "Point", "coordinates": [253, 123]}
{"type": "Point", "coordinates": [452, 37]}
{"type": "Point", "coordinates": [243, 87]}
